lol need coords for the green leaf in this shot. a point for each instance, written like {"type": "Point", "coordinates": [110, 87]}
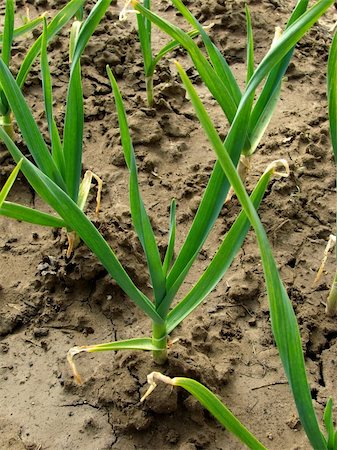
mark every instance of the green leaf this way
{"type": "Point", "coordinates": [328, 422]}
{"type": "Point", "coordinates": [217, 188]}
{"type": "Point", "coordinates": [73, 130]}
{"type": "Point", "coordinates": [88, 28]}
{"type": "Point", "coordinates": [332, 104]}
{"type": "Point", "coordinates": [171, 239]}
{"type": "Point", "coordinates": [213, 404]}
{"type": "Point", "coordinates": [209, 401]}
{"type": "Point", "coordinates": [286, 42]}
{"type": "Point", "coordinates": [29, 26]}
{"type": "Point", "coordinates": [144, 33]}
{"type": "Point", "coordinates": [221, 261]}
{"type": "Point", "coordinates": [30, 132]}
{"type": "Point", "coordinates": [59, 21]}
{"type": "Point", "coordinates": [80, 14]}
{"type": "Point", "coordinates": [129, 344]}
{"type": "Point", "coordinates": [140, 218]}
{"type": "Point", "coordinates": [213, 198]}
{"type": "Point", "coordinates": [267, 101]}
{"type": "Point", "coordinates": [8, 32]}
{"type": "Point", "coordinates": [22, 213]}
{"type": "Point", "coordinates": [48, 103]}
{"type": "Point", "coordinates": [9, 183]}
{"type": "Point", "coordinates": [76, 220]}
{"type": "Point", "coordinates": [219, 63]}
{"type": "Point", "coordinates": [74, 124]}
{"type": "Point", "coordinates": [7, 48]}
{"type": "Point", "coordinates": [74, 32]}
{"type": "Point", "coordinates": [332, 93]}
{"type": "Point", "coordinates": [169, 47]}
{"type": "Point", "coordinates": [250, 46]}
{"type": "Point", "coordinates": [283, 319]}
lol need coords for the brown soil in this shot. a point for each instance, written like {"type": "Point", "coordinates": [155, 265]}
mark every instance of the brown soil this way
{"type": "Point", "coordinates": [49, 304]}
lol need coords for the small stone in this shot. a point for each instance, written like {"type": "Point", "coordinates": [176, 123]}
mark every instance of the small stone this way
{"type": "Point", "coordinates": [40, 332]}
{"type": "Point", "coordinates": [294, 423]}
{"type": "Point", "coordinates": [252, 322]}
{"type": "Point", "coordinates": [4, 347]}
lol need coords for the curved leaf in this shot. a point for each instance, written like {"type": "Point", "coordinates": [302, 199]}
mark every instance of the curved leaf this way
{"type": "Point", "coordinates": [25, 214]}
{"type": "Point", "coordinates": [140, 218]}
{"type": "Point", "coordinates": [283, 319]}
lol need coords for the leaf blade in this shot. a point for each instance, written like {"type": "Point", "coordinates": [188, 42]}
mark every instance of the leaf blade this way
{"type": "Point", "coordinates": [9, 183]}
{"type": "Point", "coordinates": [214, 405]}
{"type": "Point", "coordinates": [140, 218]}
{"type": "Point", "coordinates": [27, 125]}
{"type": "Point", "coordinates": [8, 32]}
{"type": "Point", "coordinates": [73, 128]}
{"type": "Point", "coordinates": [283, 319]}
{"type": "Point", "coordinates": [221, 261]}
{"type": "Point", "coordinates": [171, 239]}
{"type": "Point", "coordinates": [48, 102]}
{"type": "Point", "coordinates": [25, 214]}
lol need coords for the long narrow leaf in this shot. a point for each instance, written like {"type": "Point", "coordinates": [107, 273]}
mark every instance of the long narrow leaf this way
{"type": "Point", "coordinates": [209, 401]}
{"type": "Point", "coordinates": [210, 206]}
{"type": "Point", "coordinates": [28, 127]}
{"type": "Point", "coordinates": [250, 46]}
{"type": "Point", "coordinates": [9, 183]}
{"type": "Point", "coordinates": [219, 63]}
{"type": "Point", "coordinates": [48, 103]}
{"type": "Point", "coordinates": [328, 422]}
{"type": "Point", "coordinates": [286, 42]}
{"type": "Point", "coordinates": [221, 261]}
{"type": "Point", "coordinates": [213, 198]}
{"type": "Point", "coordinates": [140, 218]}
{"type": "Point", "coordinates": [8, 32]}
{"type": "Point", "coordinates": [283, 319]}
{"type": "Point", "coordinates": [144, 33]}
{"type": "Point", "coordinates": [128, 344]}
{"type": "Point", "coordinates": [171, 239]}
{"type": "Point", "coordinates": [25, 214]}
{"type": "Point", "coordinates": [169, 47]}
{"type": "Point", "coordinates": [212, 403]}
{"type": "Point", "coordinates": [332, 93]}
{"type": "Point", "coordinates": [73, 130]}
{"type": "Point", "coordinates": [143, 344]}
{"type": "Point", "coordinates": [7, 48]}
{"type": "Point", "coordinates": [266, 103]}
{"type": "Point", "coordinates": [73, 126]}
{"type": "Point", "coordinates": [332, 103]}
{"type": "Point", "coordinates": [26, 28]}
{"type": "Point", "coordinates": [74, 33]}
{"type": "Point", "coordinates": [89, 27]}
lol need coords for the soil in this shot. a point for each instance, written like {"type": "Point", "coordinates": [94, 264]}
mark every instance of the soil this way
{"type": "Point", "coordinates": [50, 303]}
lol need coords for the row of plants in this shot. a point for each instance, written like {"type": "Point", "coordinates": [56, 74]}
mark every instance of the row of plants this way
{"type": "Point", "coordinates": [55, 173]}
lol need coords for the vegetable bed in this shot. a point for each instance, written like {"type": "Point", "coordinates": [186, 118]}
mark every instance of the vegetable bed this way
{"type": "Point", "coordinates": [55, 296]}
